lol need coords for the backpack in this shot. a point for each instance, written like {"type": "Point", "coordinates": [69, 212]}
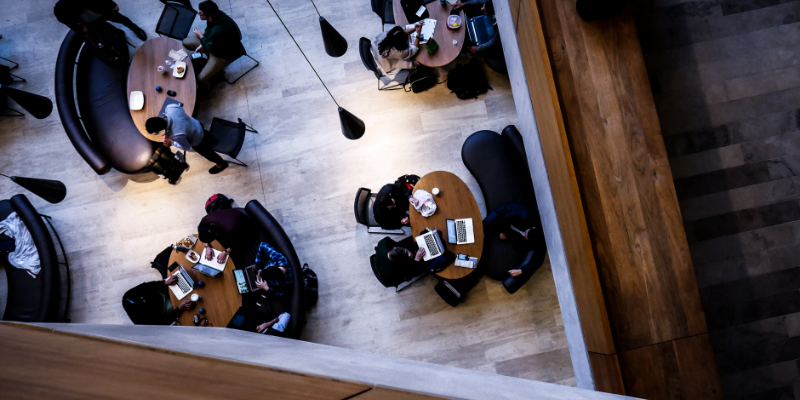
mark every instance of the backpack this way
{"type": "Point", "coordinates": [421, 79]}
{"type": "Point", "coordinates": [167, 164]}
{"type": "Point", "coordinates": [468, 81]}
{"type": "Point", "coordinates": [590, 10]}
{"type": "Point", "coordinates": [403, 181]}
{"type": "Point", "coordinates": [109, 44]}
{"type": "Point", "coordinates": [454, 291]}
{"type": "Point", "coordinates": [218, 202]}
{"type": "Point", "coordinates": [312, 286]}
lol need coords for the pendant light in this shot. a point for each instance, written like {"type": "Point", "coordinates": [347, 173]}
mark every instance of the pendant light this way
{"type": "Point", "coordinates": [50, 190]}
{"type": "Point", "coordinates": [335, 43]}
{"type": "Point", "coordinates": [352, 127]}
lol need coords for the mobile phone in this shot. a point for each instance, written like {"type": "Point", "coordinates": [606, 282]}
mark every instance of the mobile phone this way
{"type": "Point", "coordinates": [173, 267]}
{"type": "Point", "coordinates": [463, 257]}
{"type": "Point", "coordinates": [260, 301]}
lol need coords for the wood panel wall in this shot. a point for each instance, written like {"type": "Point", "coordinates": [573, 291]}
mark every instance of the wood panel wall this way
{"type": "Point", "coordinates": [609, 126]}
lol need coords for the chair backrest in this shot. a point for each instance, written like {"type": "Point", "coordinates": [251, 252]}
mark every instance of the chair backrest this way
{"type": "Point", "coordinates": [227, 137]}
{"type": "Point", "coordinates": [361, 206]}
{"type": "Point", "coordinates": [365, 50]}
{"type": "Point", "coordinates": [378, 275]}
{"type": "Point", "coordinates": [176, 20]}
{"type": "Point", "coordinates": [377, 7]}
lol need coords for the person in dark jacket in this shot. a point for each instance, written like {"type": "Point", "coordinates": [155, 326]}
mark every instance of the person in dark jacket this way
{"type": "Point", "coordinates": [232, 228]}
{"type": "Point", "coordinates": [473, 8]}
{"type": "Point", "coordinates": [149, 303]}
{"type": "Point", "coordinates": [513, 221]}
{"type": "Point", "coordinates": [407, 254]}
{"type": "Point", "coordinates": [84, 15]}
{"type": "Point", "coordinates": [220, 42]}
{"type": "Point", "coordinates": [391, 207]}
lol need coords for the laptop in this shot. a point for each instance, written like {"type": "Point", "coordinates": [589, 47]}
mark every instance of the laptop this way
{"type": "Point", "coordinates": [460, 231]}
{"type": "Point", "coordinates": [184, 286]}
{"type": "Point", "coordinates": [245, 320]}
{"type": "Point", "coordinates": [480, 29]}
{"type": "Point", "coordinates": [431, 243]}
{"type": "Point", "coordinates": [206, 270]}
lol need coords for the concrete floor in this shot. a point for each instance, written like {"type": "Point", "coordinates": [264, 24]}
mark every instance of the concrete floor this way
{"type": "Point", "coordinates": [306, 174]}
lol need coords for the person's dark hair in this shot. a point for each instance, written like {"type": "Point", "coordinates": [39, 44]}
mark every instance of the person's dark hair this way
{"type": "Point", "coordinates": [209, 8]}
{"type": "Point", "coordinates": [384, 200]}
{"type": "Point", "coordinates": [398, 254]}
{"type": "Point", "coordinates": [396, 38]}
{"type": "Point", "coordinates": [207, 233]}
{"type": "Point", "coordinates": [489, 7]}
{"type": "Point", "coordinates": [272, 273]}
{"type": "Point", "coordinates": [155, 124]}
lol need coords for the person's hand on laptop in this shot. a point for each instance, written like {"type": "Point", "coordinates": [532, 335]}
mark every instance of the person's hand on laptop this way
{"type": "Point", "coordinates": [171, 280]}
{"type": "Point", "coordinates": [209, 253]}
{"type": "Point", "coordinates": [186, 305]}
{"type": "Point", "coordinates": [222, 256]}
{"type": "Point", "coordinates": [420, 254]}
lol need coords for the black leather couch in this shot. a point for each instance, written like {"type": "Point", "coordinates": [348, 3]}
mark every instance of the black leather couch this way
{"type": "Point", "coordinates": [270, 231]}
{"type": "Point", "coordinates": [108, 137]}
{"type": "Point", "coordinates": [499, 164]}
{"type": "Point", "coordinates": [32, 299]}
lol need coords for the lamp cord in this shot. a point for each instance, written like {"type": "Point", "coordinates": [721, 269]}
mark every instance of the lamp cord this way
{"type": "Point", "coordinates": [5, 176]}
{"type": "Point", "coordinates": [303, 53]}
{"type": "Point", "coordinates": [315, 7]}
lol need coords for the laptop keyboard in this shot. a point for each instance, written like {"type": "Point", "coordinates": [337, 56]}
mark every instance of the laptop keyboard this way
{"type": "Point", "coordinates": [430, 243]}
{"type": "Point", "coordinates": [461, 231]}
{"type": "Point", "coordinates": [182, 284]}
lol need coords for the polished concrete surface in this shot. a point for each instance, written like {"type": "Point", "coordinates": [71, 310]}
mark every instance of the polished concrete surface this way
{"type": "Point", "coordinates": [305, 173]}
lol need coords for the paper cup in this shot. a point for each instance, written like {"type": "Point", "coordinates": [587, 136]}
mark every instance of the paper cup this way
{"type": "Point", "coordinates": [435, 191]}
{"type": "Point", "coordinates": [195, 297]}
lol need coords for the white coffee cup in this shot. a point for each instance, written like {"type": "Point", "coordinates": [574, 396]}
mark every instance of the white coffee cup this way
{"type": "Point", "coordinates": [161, 69]}
{"type": "Point", "coordinates": [195, 297]}
{"type": "Point", "coordinates": [435, 191]}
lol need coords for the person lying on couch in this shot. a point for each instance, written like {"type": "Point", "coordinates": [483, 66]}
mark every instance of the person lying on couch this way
{"type": "Point", "coordinates": [275, 276]}
{"type": "Point", "coordinates": [512, 221]}
{"type": "Point", "coordinates": [149, 303]}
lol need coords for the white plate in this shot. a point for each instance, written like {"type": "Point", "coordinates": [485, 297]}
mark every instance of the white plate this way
{"type": "Point", "coordinates": [136, 101]}
{"type": "Point", "coordinates": [192, 253]}
{"type": "Point", "coordinates": [175, 69]}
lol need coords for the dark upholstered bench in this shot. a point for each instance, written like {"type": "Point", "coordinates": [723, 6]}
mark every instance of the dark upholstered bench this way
{"type": "Point", "coordinates": [32, 299]}
{"type": "Point", "coordinates": [499, 164]}
{"type": "Point", "coordinates": [108, 137]}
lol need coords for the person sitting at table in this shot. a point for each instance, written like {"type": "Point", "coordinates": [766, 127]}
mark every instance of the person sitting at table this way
{"type": "Point", "coordinates": [82, 16]}
{"type": "Point", "coordinates": [149, 303]}
{"type": "Point", "coordinates": [275, 327]}
{"type": "Point", "coordinates": [220, 42]}
{"type": "Point", "coordinates": [393, 51]}
{"type": "Point", "coordinates": [407, 254]}
{"type": "Point", "coordinates": [275, 275]}
{"type": "Point", "coordinates": [391, 206]}
{"type": "Point", "coordinates": [185, 132]}
{"type": "Point", "coordinates": [473, 8]}
{"type": "Point", "coordinates": [512, 221]}
{"type": "Point", "coordinates": [231, 227]}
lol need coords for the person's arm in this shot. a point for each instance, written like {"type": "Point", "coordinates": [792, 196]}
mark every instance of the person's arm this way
{"type": "Point", "coordinates": [179, 141]}
{"type": "Point", "coordinates": [288, 283]}
{"type": "Point", "coordinates": [489, 44]}
{"type": "Point", "coordinates": [209, 37]}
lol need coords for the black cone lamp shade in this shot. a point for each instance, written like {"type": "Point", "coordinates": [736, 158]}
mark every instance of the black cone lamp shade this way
{"type": "Point", "coordinates": [335, 43]}
{"type": "Point", "coordinates": [39, 106]}
{"type": "Point", "coordinates": [52, 191]}
{"type": "Point", "coordinates": [352, 127]}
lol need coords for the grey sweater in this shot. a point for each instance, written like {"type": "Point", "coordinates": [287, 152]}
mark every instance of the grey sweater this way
{"type": "Point", "coordinates": [184, 130]}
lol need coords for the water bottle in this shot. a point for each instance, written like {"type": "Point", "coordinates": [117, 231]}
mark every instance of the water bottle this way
{"type": "Point", "coordinates": [169, 64]}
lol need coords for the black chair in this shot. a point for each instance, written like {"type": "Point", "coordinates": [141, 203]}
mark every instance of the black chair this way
{"type": "Point", "coordinates": [398, 284]}
{"type": "Point", "coordinates": [6, 77]}
{"type": "Point", "coordinates": [161, 262]}
{"type": "Point", "coordinates": [227, 137]}
{"type": "Point", "coordinates": [384, 10]}
{"type": "Point", "coordinates": [384, 82]}
{"type": "Point", "coordinates": [176, 19]}
{"type": "Point", "coordinates": [244, 52]}
{"type": "Point", "coordinates": [365, 200]}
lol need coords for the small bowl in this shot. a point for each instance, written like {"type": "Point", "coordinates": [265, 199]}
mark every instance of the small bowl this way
{"type": "Point", "coordinates": [454, 22]}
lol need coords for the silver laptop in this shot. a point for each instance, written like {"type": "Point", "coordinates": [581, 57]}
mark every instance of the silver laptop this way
{"type": "Point", "coordinates": [460, 231]}
{"type": "Point", "coordinates": [184, 286]}
{"type": "Point", "coordinates": [431, 243]}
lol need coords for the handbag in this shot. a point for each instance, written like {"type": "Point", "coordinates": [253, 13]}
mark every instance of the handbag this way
{"type": "Point", "coordinates": [421, 79]}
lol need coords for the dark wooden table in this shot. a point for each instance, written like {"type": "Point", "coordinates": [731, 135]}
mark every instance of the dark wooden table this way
{"type": "Point", "coordinates": [455, 201]}
{"type": "Point", "coordinates": [143, 77]}
{"type": "Point", "coordinates": [220, 296]}
{"type": "Point", "coordinates": [444, 37]}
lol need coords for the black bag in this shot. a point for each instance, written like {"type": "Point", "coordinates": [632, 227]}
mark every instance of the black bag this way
{"type": "Point", "coordinates": [410, 8]}
{"type": "Point", "coordinates": [590, 10]}
{"type": "Point", "coordinates": [167, 164]}
{"type": "Point", "coordinates": [421, 79]}
{"type": "Point", "coordinates": [454, 291]}
{"type": "Point", "coordinates": [218, 202]}
{"type": "Point", "coordinates": [407, 179]}
{"type": "Point", "coordinates": [312, 286]}
{"type": "Point", "coordinates": [109, 44]}
{"type": "Point", "coordinates": [468, 81]}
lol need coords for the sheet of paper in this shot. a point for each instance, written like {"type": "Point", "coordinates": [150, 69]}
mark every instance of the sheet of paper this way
{"type": "Point", "coordinates": [427, 31]}
{"type": "Point", "coordinates": [178, 55]}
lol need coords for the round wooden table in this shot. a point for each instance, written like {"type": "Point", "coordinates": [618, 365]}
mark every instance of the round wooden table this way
{"type": "Point", "coordinates": [220, 296]}
{"type": "Point", "coordinates": [455, 201]}
{"type": "Point", "coordinates": [444, 37]}
{"type": "Point", "coordinates": [143, 77]}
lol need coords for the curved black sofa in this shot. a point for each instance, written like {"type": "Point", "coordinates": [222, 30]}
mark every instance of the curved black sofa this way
{"type": "Point", "coordinates": [499, 164]}
{"type": "Point", "coordinates": [32, 299]}
{"type": "Point", "coordinates": [107, 138]}
{"type": "Point", "coordinates": [270, 231]}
